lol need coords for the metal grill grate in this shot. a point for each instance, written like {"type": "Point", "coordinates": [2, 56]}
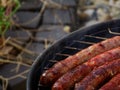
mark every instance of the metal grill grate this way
{"type": "Point", "coordinates": [69, 46]}
{"type": "Point", "coordinates": [77, 45]}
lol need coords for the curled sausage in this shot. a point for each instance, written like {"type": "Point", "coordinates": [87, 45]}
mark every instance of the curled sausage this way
{"type": "Point", "coordinates": [97, 76]}
{"type": "Point", "coordinates": [67, 81]}
{"type": "Point", "coordinates": [113, 84]}
{"type": "Point", "coordinates": [60, 68]}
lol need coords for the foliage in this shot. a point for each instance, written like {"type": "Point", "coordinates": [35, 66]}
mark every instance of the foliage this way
{"type": "Point", "coordinates": [7, 9]}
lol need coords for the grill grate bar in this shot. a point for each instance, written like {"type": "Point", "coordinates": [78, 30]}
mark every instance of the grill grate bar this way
{"type": "Point", "coordinates": [103, 38]}
{"type": "Point", "coordinates": [101, 31]}
{"type": "Point", "coordinates": [114, 33]}
{"type": "Point", "coordinates": [61, 54]}
{"type": "Point", "coordinates": [53, 61]}
{"type": "Point", "coordinates": [73, 48]}
{"type": "Point", "coordinates": [46, 68]}
{"type": "Point", "coordinates": [39, 85]}
{"type": "Point", "coordinates": [84, 42]}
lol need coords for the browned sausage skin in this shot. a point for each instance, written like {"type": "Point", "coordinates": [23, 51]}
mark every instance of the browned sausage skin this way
{"type": "Point", "coordinates": [68, 80]}
{"type": "Point", "coordinates": [60, 68]}
{"type": "Point", "coordinates": [113, 84]}
{"type": "Point", "coordinates": [51, 75]}
{"type": "Point", "coordinates": [97, 76]}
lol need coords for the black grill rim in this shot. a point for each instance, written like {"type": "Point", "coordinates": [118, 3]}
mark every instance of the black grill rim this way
{"type": "Point", "coordinates": [31, 80]}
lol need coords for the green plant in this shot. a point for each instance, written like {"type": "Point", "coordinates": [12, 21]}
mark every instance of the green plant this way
{"type": "Point", "coordinates": [7, 10]}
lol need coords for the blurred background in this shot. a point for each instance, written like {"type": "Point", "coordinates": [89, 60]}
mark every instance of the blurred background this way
{"type": "Point", "coordinates": [28, 27]}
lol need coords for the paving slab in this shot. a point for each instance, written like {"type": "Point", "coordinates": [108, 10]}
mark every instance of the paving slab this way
{"type": "Point", "coordinates": [17, 84]}
{"type": "Point", "coordinates": [19, 34]}
{"type": "Point", "coordinates": [27, 19]}
{"type": "Point", "coordinates": [38, 48]}
{"type": "Point", "coordinates": [30, 5]}
{"type": "Point", "coordinates": [54, 16]}
{"type": "Point", "coordinates": [66, 2]}
{"type": "Point", "coordinates": [28, 56]}
{"type": "Point", "coordinates": [51, 32]}
{"type": "Point", "coordinates": [8, 71]}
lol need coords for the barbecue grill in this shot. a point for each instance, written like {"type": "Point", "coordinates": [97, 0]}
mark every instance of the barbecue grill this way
{"type": "Point", "coordinates": [68, 46]}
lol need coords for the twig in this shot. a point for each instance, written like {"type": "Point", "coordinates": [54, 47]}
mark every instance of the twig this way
{"type": "Point", "coordinates": [4, 82]}
{"type": "Point", "coordinates": [19, 56]}
{"type": "Point", "coordinates": [6, 40]}
{"type": "Point", "coordinates": [11, 58]}
{"type": "Point", "coordinates": [18, 41]}
{"type": "Point", "coordinates": [52, 4]}
{"type": "Point", "coordinates": [13, 62]}
{"type": "Point", "coordinates": [19, 75]}
{"type": "Point", "coordinates": [35, 18]}
{"type": "Point", "coordinates": [42, 40]}
{"type": "Point", "coordinates": [87, 7]}
{"type": "Point", "coordinates": [19, 26]}
{"type": "Point", "coordinates": [57, 17]}
{"type": "Point", "coordinates": [19, 60]}
{"type": "Point", "coordinates": [28, 44]}
{"type": "Point", "coordinates": [19, 47]}
{"type": "Point", "coordinates": [24, 77]}
{"type": "Point", "coordinates": [46, 43]}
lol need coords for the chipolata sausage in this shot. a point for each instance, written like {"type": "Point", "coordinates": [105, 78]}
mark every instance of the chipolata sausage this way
{"type": "Point", "coordinates": [113, 84]}
{"type": "Point", "coordinates": [97, 76]}
{"type": "Point", "coordinates": [60, 68]}
{"type": "Point", "coordinates": [67, 81]}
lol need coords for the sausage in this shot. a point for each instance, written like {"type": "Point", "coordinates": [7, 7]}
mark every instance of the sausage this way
{"type": "Point", "coordinates": [60, 68]}
{"type": "Point", "coordinates": [97, 76]}
{"type": "Point", "coordinates": [67, 81]}
{"type": "Point", "coordinates": [51, 75]}
{"type": "Point", "coordinates": [113, 84]}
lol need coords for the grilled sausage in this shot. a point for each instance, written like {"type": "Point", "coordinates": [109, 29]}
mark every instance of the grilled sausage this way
{"type": "Point", "coordinates": [67, 81]}
{"type": "Point", "coordinates": [113, 84]}
{"type": "Point", "coordinates": [60, 68]}
{"type": "Point", "coordinates": [97, 76]}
